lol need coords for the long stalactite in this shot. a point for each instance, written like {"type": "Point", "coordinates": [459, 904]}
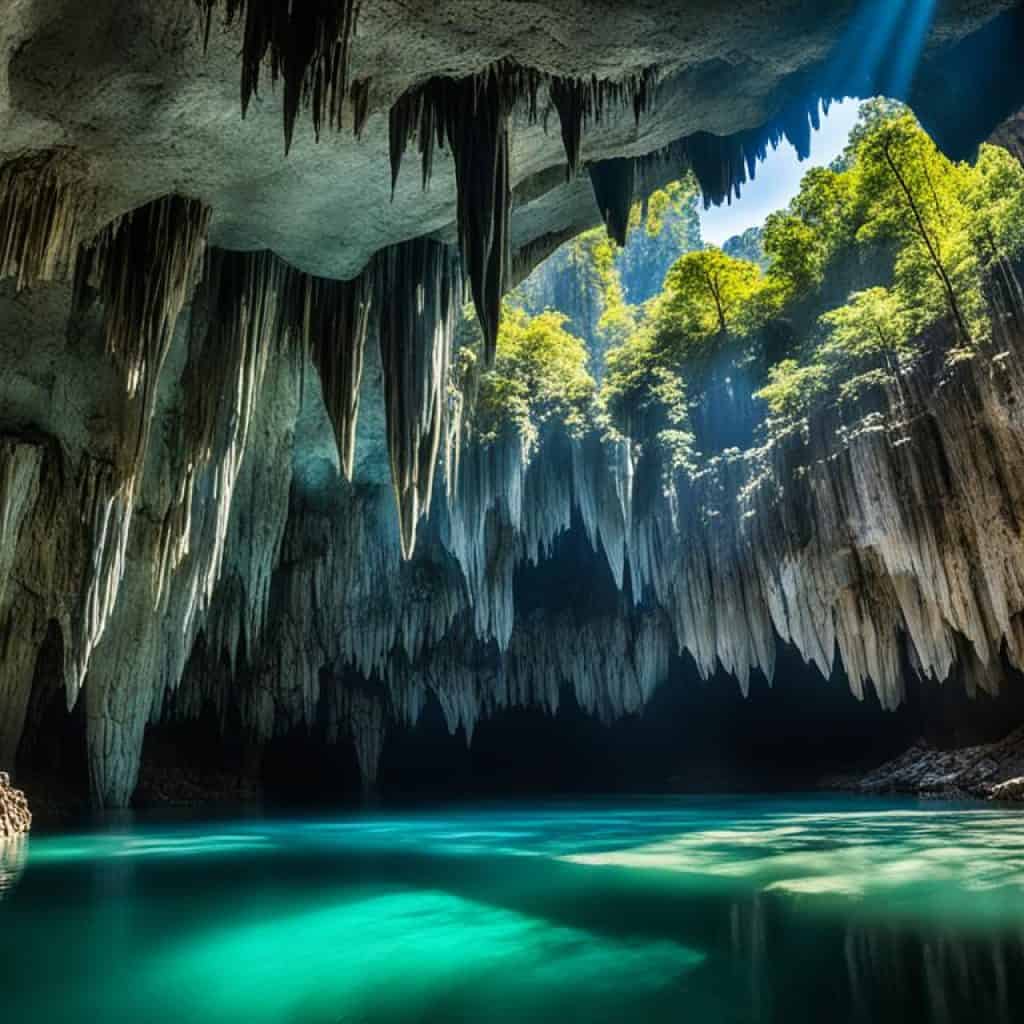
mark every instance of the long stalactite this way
{"type": "Point", "coordinates": [723, 164]}
{"type": "Point", "coordinates": [472, 115]}
{"type": "Point", "coordinates": [140, 270]}
{"type": "Point", "coordinates": [334, 316]}
{"type": "Point", "coordinates": [614, 182]}
{"type": "Point", "coordinates": [420, 297]}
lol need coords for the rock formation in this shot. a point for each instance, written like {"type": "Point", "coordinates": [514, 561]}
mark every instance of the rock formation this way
{"type": "Point", "coordinates": [15, 818]}
{"type": "Point", "coordinates": [993, 771]}
{"type": "Point", "coordinates": [226, 356]}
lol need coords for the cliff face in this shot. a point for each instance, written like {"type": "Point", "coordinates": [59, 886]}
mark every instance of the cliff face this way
{"type": "Point", "coordinates": [201, 448]}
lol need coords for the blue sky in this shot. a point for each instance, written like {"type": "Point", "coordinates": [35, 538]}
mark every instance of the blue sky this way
{"type": "Point", "coordinates": [778, 178]}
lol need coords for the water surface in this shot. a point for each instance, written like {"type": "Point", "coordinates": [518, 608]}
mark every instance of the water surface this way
{"type": "Point", "coordinates": [650, 910]}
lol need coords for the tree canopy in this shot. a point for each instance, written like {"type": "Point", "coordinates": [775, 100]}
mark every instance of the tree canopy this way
{"type": "Point", "coordinates": [871, 251]}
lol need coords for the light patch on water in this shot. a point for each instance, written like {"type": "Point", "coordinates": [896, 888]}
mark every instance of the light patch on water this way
{"type": "Point", "coordinates": [383, 956]}
{"type": "Point", "coordinates": [958, 865]}
{"type": "Point", "coordinates": [118, 845]}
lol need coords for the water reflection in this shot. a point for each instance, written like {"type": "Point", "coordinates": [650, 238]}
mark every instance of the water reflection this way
{"type": "Point", "coordinates": [13, 855]}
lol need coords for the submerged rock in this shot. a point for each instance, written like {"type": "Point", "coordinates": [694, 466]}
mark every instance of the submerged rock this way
{"type": "Point", "coordinates": [15, 817]}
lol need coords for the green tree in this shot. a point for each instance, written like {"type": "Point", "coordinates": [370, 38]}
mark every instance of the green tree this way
{"type": "Point", "coordinates": [916, 196]}
{"type": "Point", "coordinates": [870, 114]}
{"type": "Point", "coordinates": [792, 389]}
{"type": "Point", "coordinates": [539, 377]}
{"type": "Point", "coordinates": [708, 295]}
{"type": "Point", "coordinates": [796, 257]}
{"type": "Point", "coordinates": [995, 198]}
{"type": "Point", "coordinates": [874, 325]}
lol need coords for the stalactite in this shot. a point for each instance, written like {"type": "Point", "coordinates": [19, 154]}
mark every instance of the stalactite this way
{"type": "Point", "coordinates": [335, 315]}
{"type": "Point", "coordinates": [581, 102]}
{"type": "Point", "coordinates": [613, 182]}
{"type": "Point", "coordinates": [142, 268]}
{"type": "Point", "coordinates": [364, 714]}
{"type": "Point", "coordinates": [360, 93]}
{"type": "Point", "coordinates": [308, 47]}
{"type": "Point", "coordinates": [723, 164]}
{"type": "Point", "coordinates": [472, 115]}
{"type": "Point", "coordinates": [41, 212]}
{"type": "Point", "coordinates": [238, 323]}
{"type": "Point", "coordinates": [231, 517]}
{"type": "Point", "coordinates": [528, 257]}
{"type": "Point", "coordinates": [418, 285]}
{"type": "Point", "coordinates": [21, 464]}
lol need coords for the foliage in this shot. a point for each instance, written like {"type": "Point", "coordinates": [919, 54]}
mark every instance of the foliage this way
{"type": "Point", "coordinates": [916, 197]}
{"type": "Point", "coordinates": [950, 235]}
{"type": "Point", "coordinates": [540, 375]}
{"type": "Point", "coordinates": [955, 228]}
{"type": "Point", "coordinates": [671, 228]}
{"type": "Point", "coordinates": [792, 389]}
{"type": "Point", "coordinates": [872, 327]}
{"type": "Point", "coordinates": [600, 287]}
{"type": "Point", "coordinates": [708, 297]}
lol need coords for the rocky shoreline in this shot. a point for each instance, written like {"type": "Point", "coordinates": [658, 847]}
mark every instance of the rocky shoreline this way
{"type": "Point", "coordinates": [15, 817]}
{"type": "Point", "coordinates": [990, 771]}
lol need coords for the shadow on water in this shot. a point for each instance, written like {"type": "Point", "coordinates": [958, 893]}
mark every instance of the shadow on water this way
{"type": "Point", "coordinates": [742, 916]}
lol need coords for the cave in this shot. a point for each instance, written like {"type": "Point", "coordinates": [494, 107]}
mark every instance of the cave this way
{"type": "Point", "coordinates": [511, 511]}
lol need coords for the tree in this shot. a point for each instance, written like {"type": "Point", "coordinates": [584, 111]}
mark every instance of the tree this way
{"type": "Point", "coordinates": [995, 199]}
{"type": "Point", "coordinates": [915, 195]}
{"type": "Point", "coordinates": [708, 295]}
{"type": "Point", "coordinates": [870, 114]}
{"type": "Point", "coordinates": [792, 389]}
{"type": "Point", "coordinates": [540, 376]}
{"type": "Point", "coordinates": [828, 202]}
{"type": "Point", "coordinates": [644, 390]}
{"type": "Point", "coordinates": [873, 328]}
{"type": "Point", "coordinates": [796, 257]}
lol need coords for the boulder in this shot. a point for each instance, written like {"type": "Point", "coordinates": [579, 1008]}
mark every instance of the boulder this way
{"type": "Point", "coordinates": [15, 817]}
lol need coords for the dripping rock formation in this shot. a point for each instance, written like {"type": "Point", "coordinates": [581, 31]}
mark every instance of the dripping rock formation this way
{"type": "Point", "coordinates": [234, 481]}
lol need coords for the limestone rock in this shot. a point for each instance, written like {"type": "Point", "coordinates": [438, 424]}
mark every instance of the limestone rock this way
{"type": "Point", "coordinates": [992, 770]}
{"type": "Point", "coordinates": [15, 817]}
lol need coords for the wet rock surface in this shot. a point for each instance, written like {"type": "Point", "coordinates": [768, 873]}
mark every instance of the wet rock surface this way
{"type": "Point", "coordinates": [992, 771]}
{"type": "Point", "coordinates": [15, 817]}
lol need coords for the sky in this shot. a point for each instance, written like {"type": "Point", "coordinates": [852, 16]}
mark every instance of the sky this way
{"type": "Point", "coordinates": [778, 178]}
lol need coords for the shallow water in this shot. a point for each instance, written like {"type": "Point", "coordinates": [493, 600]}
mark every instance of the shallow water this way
{"type": "Point", "coordinates": [649, 910]}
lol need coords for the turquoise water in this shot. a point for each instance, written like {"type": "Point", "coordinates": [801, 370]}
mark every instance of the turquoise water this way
{"type": "Point", "coordinates": [701, 910]}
